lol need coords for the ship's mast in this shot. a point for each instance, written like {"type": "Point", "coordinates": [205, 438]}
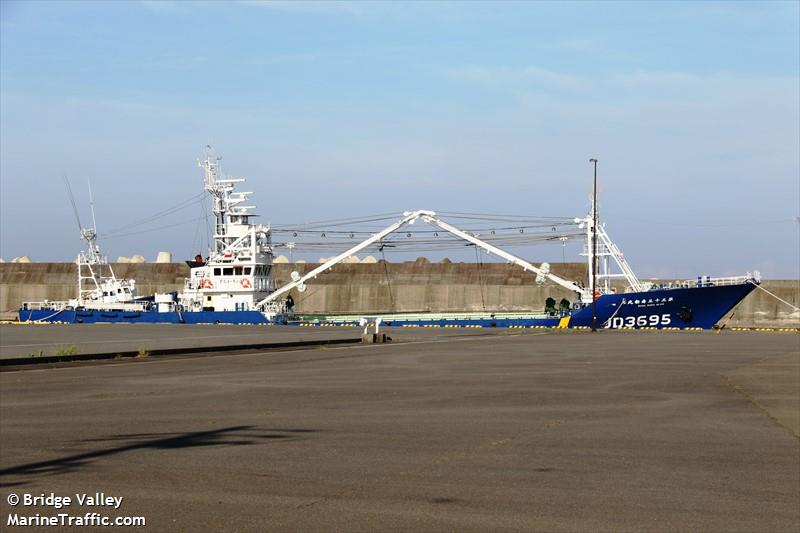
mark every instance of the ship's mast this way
{"type": "Point", "coordinates": [90, 234]}
{"type": "Point", "coordinates": [599, 250]}
{"type": "Point", "coordinates": [593, 275]}
{"type": "Point", "coordinates": [93, 267]}
{"type": "Point", "coordinates": [218, 193]}
{"type": "Point", "coordinates": [226, 202]}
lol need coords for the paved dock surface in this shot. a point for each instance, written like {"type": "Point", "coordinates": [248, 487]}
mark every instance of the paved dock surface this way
{"type": "Point", "coordinates": [536, 431]}
{"type": "Point", "coordinates": [50, 339]}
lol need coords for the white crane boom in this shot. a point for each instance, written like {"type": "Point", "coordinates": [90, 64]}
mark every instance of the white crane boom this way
{"type": "Point", "coordinates": [541, 272]}
{"type": "Point", "coordinates": [430, 218]}
{"type": "Point", "coordinates": [409, 218]}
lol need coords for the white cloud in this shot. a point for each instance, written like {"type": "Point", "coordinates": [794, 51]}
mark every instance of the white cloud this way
{"type": "Point", "coordinates": [310, 7]}
{"type": "Point", "coordinates": [517, 78]}
{"type": "Point", "coordinates": [163, 7]}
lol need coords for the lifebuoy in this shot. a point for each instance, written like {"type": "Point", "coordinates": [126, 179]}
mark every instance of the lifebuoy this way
{"type": "Point", "coordinates": [246, 283]}
{"type": "Point", "coordinates": [205, 283]}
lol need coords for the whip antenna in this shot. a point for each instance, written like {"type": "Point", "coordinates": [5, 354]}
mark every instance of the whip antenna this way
{"type": "Point", "coordinates": [72, 201]}
{"type": "Point", "coordinates": [91, 203]}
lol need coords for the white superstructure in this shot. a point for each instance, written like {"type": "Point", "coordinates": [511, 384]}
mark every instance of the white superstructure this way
{"type": "Point", "coordinates": [98, 286]}
{"type": "Point", "coordinates": [236, 274]}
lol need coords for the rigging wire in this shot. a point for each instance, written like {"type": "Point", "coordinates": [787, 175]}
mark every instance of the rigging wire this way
{"type": "Point", "coordinates": [527, 230]}
{"type": "Point", "coordinates": [545, 220]}
{"type": "Point", "coordinates": [424, 243]}
{"type": "Point", "coordinates": [209, 232]}
{"type": "Point", "coordinates": [149, 230]}
{"type": "Point", "coordinates": [296, 232]}
{"type": "Point", "coordinates": [72, 201]}
{"type": "Point", "coordinates": [197, 241]}
{"type": "Point", "coordinates": [503, 217]}
{"type": "Point", "coordinates": [340, 221]}
{"type": "Point", "coordinates": [189, 202]}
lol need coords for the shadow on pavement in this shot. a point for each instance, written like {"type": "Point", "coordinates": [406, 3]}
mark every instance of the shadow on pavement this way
{"type": "Point", "coordinates": [230, 436]}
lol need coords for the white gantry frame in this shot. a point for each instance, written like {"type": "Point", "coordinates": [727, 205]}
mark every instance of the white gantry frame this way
{"type": "Point", "coordinates": [606, 249]}
{"type": "Point", "coordinates": [542, 272]}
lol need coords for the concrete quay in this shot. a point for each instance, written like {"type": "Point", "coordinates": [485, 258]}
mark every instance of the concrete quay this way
{"type": "Point", "coordinates": [32, 341]}
{"type": "Point", "coordinates": [52, 339]}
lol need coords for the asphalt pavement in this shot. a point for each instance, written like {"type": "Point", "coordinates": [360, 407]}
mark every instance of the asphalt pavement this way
{"type": "Point", "coordinates": [53, 339]}
{"type": "Point", "coordinates": [497, 431]}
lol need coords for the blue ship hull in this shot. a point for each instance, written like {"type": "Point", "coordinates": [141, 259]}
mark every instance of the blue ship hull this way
{"type": "Point", "coordinates": [693, 307]}
{"type": "Point", "coordinates": [94, 316]}
{"type": "Point", "coordinates": [676, 308]}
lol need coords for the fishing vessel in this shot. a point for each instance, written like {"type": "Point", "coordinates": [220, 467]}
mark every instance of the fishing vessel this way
{"type": "Point", "coordinates": [234, 285]}
{"type": "Point", "coordinates": [224, 288]}
{"type": "Point", "coordinates": [692, 304]}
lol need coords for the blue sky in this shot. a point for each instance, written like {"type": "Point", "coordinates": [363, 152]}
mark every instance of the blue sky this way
{"type": "Point", "coordinates": [341, 109]}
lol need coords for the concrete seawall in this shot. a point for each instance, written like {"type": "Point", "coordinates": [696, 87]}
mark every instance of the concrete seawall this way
{"type": "Point", "coordinates": [382, 287]}
{"type": "Point", "coordinates": [427, 287]}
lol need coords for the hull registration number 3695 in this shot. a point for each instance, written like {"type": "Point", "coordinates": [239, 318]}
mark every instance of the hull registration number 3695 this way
{"type": "Point", "coordinates": [640, 321]}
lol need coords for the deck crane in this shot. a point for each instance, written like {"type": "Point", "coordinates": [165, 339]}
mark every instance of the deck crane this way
{"type": "Point", "coordinates": [409, 217]}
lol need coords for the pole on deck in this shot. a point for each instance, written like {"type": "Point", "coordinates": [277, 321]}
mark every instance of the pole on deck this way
{"type": "Point", "coordinates": [594, 247]}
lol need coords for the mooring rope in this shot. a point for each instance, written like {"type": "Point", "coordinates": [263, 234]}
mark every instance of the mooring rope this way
{"type": "Point", "coordinates": [775, 296]}
{"type": "Point", "coordinates": [608, 320]}
{"type": "Point", "coordinates": [41, 319]}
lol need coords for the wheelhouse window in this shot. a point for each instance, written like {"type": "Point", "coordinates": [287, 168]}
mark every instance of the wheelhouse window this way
{"type": "Point", "coordinates": [247, 271]}
{"type": "Point", "coordinates": [228, 271]}
{"type": "Point", "coordinates": [237, 271]}
{"type": "Point", "coordinates": [217, 271]}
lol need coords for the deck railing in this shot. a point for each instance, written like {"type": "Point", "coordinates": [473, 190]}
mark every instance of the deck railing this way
{"type": "Point", "coordinates": [707, 281]}
{"type": "Point", "coordinates": [63, 306]}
